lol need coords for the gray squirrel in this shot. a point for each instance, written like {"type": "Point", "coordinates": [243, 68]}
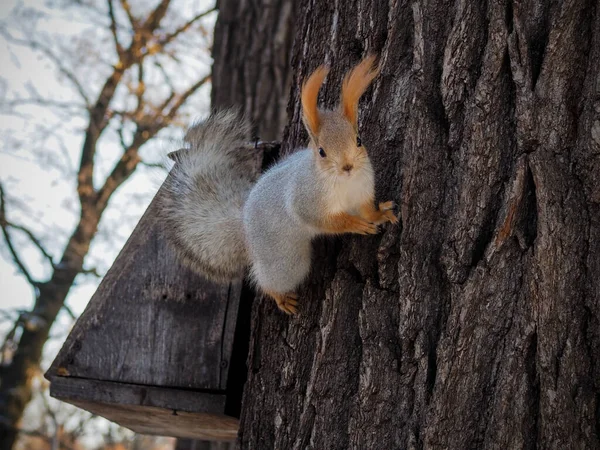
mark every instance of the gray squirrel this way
{"type": "Point", "coordinates": [223, 217]}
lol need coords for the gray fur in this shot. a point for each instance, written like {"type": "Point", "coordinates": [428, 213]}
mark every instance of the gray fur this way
{"type": "Point", "coordinates": [280, 220]}
{"type": "Point", "coordinates": [221, 220]}
{"type": "Point", "coordinates": [201, 208]}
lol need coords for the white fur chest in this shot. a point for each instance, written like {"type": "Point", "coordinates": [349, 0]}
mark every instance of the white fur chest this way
{"type": "Point", "coordinates": [348, 194]}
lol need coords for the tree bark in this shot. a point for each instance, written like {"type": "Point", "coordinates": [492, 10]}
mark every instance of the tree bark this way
{"type": "Point", "coordinates": [251, 69]}
{"type": "Point", "coordinates": [476, 323]}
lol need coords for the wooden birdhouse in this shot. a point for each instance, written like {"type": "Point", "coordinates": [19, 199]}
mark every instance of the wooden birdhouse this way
{"type": "Point", "coordinates": [159, 349]}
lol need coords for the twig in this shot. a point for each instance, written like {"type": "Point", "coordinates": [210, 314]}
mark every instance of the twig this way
{"type": "Point", "coordinates": [33, 239]}
{"type": "Point", "coordinates": [92, 271]}
{"type": "Point", "coordinates": [121, 136]}
{"type": "Point", "coordinates": [69, 311]}
{"type": "Point", "coordinates": [127, 8]}
{"type": "Point", "coordinates": [113, 28]}
{"type": "Point", "coordinates": [183, 97]}
{"type": "Point", "coordinates": [11, 248]}
{"type": "Point", "coordinates": [55, 59]}
{"type": "Point", "coordinates": [162, 70]}
{"type": "Point", "coordinates": [140, 90]}
{"type": "Point", "coordinates": [43, 102]}
{"type": "Point", "coordinates": [153, 165]}
{"type": "Point", "coordinates": [169, 37]}
{"type": "Point", "coordinates": [156, 16]}
{"type": "Point", "coordinates": [5, 223]}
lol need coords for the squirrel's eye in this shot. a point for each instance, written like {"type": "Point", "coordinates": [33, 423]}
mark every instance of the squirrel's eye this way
{"type": "Point", "coordinates": [322, 152]}
{"type": "Point", "coordinates": [358, 141]}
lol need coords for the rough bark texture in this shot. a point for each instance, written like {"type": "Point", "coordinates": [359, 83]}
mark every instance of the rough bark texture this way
{"type": "Point", "coordinates": [251, 70]}
{"type": "Point", "coordinates": [475, 324]}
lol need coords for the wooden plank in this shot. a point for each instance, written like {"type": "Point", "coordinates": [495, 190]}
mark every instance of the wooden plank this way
{"type": "Point", "coordinates": [150, 410]}
{"type": "Point", "coordinates": [153, 321]}
{"type": "Point", "coordinates": [70, 388]}
{"type": "Point", "coordinates": [162, 422]}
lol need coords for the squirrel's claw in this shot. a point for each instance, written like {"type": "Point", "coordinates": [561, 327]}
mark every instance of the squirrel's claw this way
{"type": "Point", "coordinates": [365, 227]}
{"type": "Point", "coordinates": [387, 210]}
{"type": "Point", "coordinates": [288, 303]}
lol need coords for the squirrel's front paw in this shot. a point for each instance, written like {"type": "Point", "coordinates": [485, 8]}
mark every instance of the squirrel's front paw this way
{"type": "Point", "coordinates": [362, 226]}
{"type": "Point", "coordinates": [288, 303]}
{"type": "Point", "coordinates": [387, 212]}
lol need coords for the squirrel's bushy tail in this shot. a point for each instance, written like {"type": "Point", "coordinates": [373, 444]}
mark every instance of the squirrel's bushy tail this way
{"type": "Point", "coordinates": [201, 208]}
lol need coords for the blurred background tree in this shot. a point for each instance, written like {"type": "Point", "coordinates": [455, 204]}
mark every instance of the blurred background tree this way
{"type": "Point", "coordinates": [118, 82]}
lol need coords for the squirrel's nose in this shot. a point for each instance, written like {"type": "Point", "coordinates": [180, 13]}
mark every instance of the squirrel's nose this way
{"type": "Point", "coordinates": [347, 168]}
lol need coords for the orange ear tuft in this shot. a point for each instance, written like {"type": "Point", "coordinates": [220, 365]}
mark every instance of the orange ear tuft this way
{"type": "Point", "coordinates": [310, 94]}
{"type": "Point", "coordinates": [355, 84]}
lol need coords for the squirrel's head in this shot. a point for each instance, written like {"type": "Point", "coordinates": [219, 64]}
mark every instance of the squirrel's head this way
{"type": "Point", "coordinates": [333, 134]}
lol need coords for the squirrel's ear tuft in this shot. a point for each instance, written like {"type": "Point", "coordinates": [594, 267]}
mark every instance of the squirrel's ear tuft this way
{"type": "Point", "coordinates": [310, 94]}
{"type": "Point", "coordinates": [355, 84]}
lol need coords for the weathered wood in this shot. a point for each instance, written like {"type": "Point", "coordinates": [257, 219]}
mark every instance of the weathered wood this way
{"type": "Point", "coordinates": [476, 324]}
{"type": "Point", "coordinates": [149, 409]}
{"type": "Point", "coordinates": [150, 318]}
{"type": "Point", "coordinates": [108, 392]}
{"type": "Point", "coordinates": [157, 338]}
{"type": "Point", "coordinates": [162, 422]}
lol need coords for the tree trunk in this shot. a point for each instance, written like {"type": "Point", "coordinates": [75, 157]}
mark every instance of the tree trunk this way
{"type": "Point", "coordinates": [475, 324]}
{"type": "Point", "coordinates": [252, 70]}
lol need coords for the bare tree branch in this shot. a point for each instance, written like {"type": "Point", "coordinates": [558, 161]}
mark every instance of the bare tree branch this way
{"type": "Point", "coordinates": [122, 170]}
{"type": "Point", "coordinates": [156, 16]}
{"type": "Point", "coordinates": [55, 59]}
{"type": "Point", "coordinates": [9, 243]}
{"type": "Point", "coordinates": [69, 311]}
{"type": "Point", "coordinates": [5, 224]}
{"type": "Point", "coordinates": [93, 271]}
{"type": "Point", "coordinates": [165, 75]}
{"type": "Point", "coordinates": [43, 102]}
{"type": "Point", "coordinates": [98, 117]}
{"type": "Point", "coordinates": [113, 28]}
{"type": "Point", "coordinates": [32, 238]}
{"type": "Point", "coordinates": [171, 36]}
{"type": "Point", "coordinates": [182, 98]}
{"type": "Point", "coordinates": [132, 20]}
{"type": "Point", "coordinates": [97, 124]}
{"type": "Point", "coordinates": [140, 89]}
{"type": "Point", "coordinates": [81, 426]}
{"type": "Point", "coordinates": [131, 158]}
{"type": "Point", "coordinates": [121, 136]}
{"type": "Point", "coordinates": [149, 119]}
{"type": "Point", "coordinates": [153, 165]}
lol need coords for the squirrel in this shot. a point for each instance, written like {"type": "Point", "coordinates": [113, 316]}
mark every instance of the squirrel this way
{"type": "Point", "coordinates": [222, 216]}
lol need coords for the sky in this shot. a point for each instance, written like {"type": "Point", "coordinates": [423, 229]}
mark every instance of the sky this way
{"type": "Point", "coordinates": [39, 152]}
